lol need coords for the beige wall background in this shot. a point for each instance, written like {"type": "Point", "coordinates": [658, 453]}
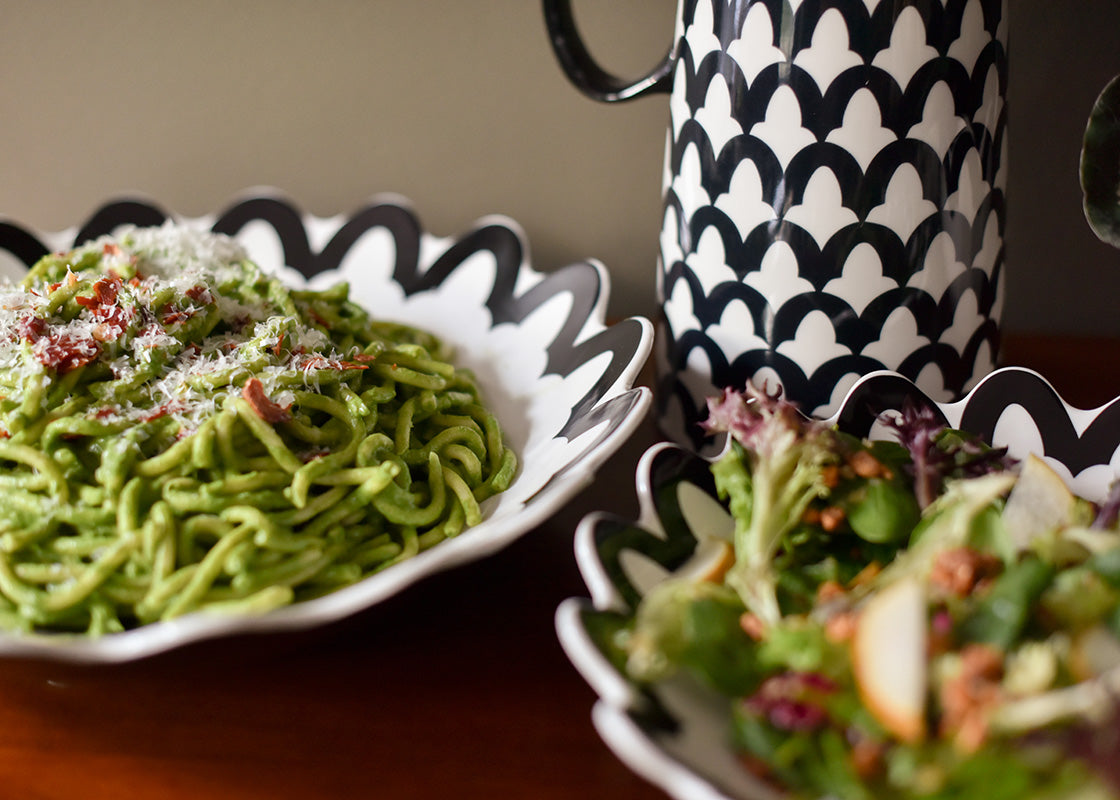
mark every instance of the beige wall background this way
{"type": "Point", "coordinates": [461, 107]}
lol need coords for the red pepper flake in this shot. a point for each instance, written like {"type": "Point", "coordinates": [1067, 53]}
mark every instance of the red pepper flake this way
{"type": "Point", "coordinates": [318, 362]}
{"type": "Point", "coordinates": [270, 412]}
{"type": "Point", "coordinates": [32, 328]}
{"type": "Point", "coordinates": [112, 249]}
{"type": "Point", "coordinates": [171, 316]}
{"type": "Point", "coordinates": [364, 357]}
{"type": "Point", "coordinates": [174, 407]}
{"type": "Point", "coordinates": [63, 351]}
{"type": "Point", "coordinates": [5, 435]}
{"type": "Point", "coordinates": [152, 330]}
{"type": "Point", "coordinates": [279, 343]}
{"type": "Point", "coordinates": [105, 293]}
{"type": "Point", "coordinates": [200, 294]}
{"type": "Point", "coordinates": [112, 323]}
{"type": "Point", "coordinates": [106, 289]}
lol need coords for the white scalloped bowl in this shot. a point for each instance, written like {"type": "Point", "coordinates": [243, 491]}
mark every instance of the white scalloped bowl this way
{"type": "Point", "coordinates": [560, 380]}
{"type": "Point", "coordinates": [675, 734]}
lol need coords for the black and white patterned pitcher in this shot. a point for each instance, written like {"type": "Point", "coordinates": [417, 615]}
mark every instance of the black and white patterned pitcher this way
{"type": "Point", "coordinates": [834, 194]}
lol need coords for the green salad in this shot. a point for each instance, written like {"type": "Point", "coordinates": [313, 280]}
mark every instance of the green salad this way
{"type": "Point", "coordinates": [914, 618]}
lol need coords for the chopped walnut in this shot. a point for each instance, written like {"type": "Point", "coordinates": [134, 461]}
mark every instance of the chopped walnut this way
{"type": "Point", "coordinates": [840, 627]}
{"type": "Point", "coordinates": [752, 626]}
{"type": "Point", "coordinates": [866, 465]}
{"type": "Point", "coordinates": [961, 570]}
{"type": "Point", "coordinates": [968, 696]}
{"type": "Point", "coordinates": [867, 756]}
{"type": "Point", "coordinates": [831, 518]}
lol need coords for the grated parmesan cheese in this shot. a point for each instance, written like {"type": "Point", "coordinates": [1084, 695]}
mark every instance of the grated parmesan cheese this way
{"type": "Point", "coordinates": [162, 321]}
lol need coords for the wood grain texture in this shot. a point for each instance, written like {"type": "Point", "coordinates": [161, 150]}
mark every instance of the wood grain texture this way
{"type": "Point", "coordinates": [457, 688]}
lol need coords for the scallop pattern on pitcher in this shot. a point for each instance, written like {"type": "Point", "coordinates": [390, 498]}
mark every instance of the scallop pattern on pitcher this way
{"type": "Point", "coordinates": [834, 207]}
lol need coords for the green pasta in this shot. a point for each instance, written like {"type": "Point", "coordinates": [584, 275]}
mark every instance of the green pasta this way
{"type": "Point", "coordinates": [181, 433]}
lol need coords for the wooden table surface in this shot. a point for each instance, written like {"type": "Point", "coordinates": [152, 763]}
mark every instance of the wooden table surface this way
{"type": "Point", "coordinates": [456, 688]}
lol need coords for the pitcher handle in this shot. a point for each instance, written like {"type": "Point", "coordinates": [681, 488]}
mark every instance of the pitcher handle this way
{"type": "Point", "coordinates": [583, 71]}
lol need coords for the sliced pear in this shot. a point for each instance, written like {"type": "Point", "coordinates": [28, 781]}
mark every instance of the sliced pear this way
{"type": "Point", "coordinates": [889, 658]}
{"type": "Point", "coordinates": [1040, 503]}
{"type": "Point", "coordinates": [1095, 651]}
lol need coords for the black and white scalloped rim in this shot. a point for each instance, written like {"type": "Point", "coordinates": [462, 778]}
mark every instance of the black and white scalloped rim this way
{"type": "Point", "coordinates": [675, 735]}
{"type": "Point", "coordinates": [560, 380]}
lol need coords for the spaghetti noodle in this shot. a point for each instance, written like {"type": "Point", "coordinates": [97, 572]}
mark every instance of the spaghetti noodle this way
{"type": "Point", "coordinates": [182, 432]}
